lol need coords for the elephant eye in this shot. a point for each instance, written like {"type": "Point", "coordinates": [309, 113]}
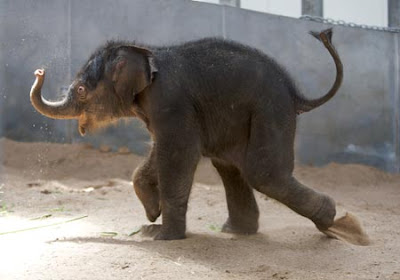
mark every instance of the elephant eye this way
{"type": "Point", "coordinates": [81, 89]}
{"type": "Point", "coordinates": [82, 93]}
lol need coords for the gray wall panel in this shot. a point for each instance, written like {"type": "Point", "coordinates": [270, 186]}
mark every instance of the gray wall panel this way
{"type": "Point", "coordinates": [33, 34]}
{"type": "Point", "coordinates": [355, 126]}
{"type": "Point", "coordinates": [361, 124]}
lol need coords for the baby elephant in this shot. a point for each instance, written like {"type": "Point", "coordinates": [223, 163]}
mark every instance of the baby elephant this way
{"type": "Point", "coordinates": [210, 97]}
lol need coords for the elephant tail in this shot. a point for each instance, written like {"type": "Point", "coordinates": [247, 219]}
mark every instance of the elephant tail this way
{"type": "Point", "coordinates": [303, 104]}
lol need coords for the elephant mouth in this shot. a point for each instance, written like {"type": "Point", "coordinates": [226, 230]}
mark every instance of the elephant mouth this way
{"type": "Point", "coordinates": [82, 130]}
{"type": "Point", "coordinates": [91, 123]}
{"type": "Point", "coordinates": [83, 125]}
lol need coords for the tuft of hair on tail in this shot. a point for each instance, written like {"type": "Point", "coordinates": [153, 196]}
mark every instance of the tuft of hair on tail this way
{"type": "Point", "coordinates": [327, 33]}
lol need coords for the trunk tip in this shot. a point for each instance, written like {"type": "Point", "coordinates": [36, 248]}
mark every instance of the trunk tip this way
{"type": "Point", "coordinates": [39, 72]}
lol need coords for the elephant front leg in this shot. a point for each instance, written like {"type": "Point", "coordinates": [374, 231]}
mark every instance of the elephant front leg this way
{"type": "Point", "coordinates": [242, 206]}
{"type": "Point", "coordinates": [145, 183]}
{"type": "Point", "coordinates": [177, 158]}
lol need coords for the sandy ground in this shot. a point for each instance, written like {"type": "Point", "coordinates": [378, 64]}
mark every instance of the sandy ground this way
{"type": "Point", "coordinates": [59, 182]}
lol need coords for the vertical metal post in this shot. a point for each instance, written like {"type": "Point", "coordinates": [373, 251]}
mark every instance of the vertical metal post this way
{"type": "Point", "coordinates": [233, 3]}
{"type": "Point", "coordinates": [312, 8]}
{"type": "Point", "coordinates": [394, 13]}
{"type": "Point", "coordinates": [396, 102]}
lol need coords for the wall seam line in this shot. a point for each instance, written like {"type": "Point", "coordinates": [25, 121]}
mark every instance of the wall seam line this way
{"type": "Point", "coordinates": [223, 22]}
{"type": "Point", "coordinates": [69, 74]}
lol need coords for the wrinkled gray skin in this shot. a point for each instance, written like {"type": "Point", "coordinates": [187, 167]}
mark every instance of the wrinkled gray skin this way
{"type": "Point", "coordinates": [212, 98]}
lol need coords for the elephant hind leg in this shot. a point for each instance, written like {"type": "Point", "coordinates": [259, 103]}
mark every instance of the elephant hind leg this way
{"type": "Point", "coordinates": [318, 207]}
{"type": "Point", "coordinates": [242, 206]}
{"type": "Point", "coordinates": [268, 168]}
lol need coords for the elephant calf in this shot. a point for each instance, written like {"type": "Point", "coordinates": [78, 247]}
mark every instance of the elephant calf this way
{"type": "Point", "coordinates": [210, 97]}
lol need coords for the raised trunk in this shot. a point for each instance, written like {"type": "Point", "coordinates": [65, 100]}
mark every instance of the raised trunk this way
{"type": "Point", "coordinates": [64, 109]}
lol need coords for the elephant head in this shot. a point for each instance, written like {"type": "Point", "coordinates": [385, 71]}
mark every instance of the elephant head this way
{"type": "Point", "coordinates": [104, 89]}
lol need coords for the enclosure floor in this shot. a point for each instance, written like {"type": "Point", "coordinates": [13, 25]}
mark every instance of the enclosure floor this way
{"type": "Point", "coordinates": [62, 182]}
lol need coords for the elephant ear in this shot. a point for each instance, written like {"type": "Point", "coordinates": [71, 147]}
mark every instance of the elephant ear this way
{"type": "Point", "coordinates": [136, 65]}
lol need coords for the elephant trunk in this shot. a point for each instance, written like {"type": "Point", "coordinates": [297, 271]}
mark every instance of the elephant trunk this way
{"type": "Point", "coordinates": [64, 109]}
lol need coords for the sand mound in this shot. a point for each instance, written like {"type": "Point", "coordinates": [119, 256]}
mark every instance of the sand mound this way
{"type": "Point", "coordinates": [43, 183]}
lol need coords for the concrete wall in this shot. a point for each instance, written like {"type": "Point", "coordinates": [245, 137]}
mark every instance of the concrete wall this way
{"type": "Point", "coordinates": [360, 125]}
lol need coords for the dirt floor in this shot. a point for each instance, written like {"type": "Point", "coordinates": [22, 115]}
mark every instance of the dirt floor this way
{"type": "Point", "coordinates": [45, 184]}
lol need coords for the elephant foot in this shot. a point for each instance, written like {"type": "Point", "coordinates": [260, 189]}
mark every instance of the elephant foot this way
{"type": "Point", "coordinates": [150, 230]}
{"type": "Point", "coordinates": [239, 228]}
{"type": "Point", "coordinates": [324, 217]}
{"type": "Point", "coordinates": [156, 231]}
{"type": "Point", "coordinates": [348, 228]}
{"type": "Point", "coordinates": [169, 236]}
{"type": "Point", "coordinates": [148, 195]}
{"type": "Point", "coordinates": [152, 213]}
